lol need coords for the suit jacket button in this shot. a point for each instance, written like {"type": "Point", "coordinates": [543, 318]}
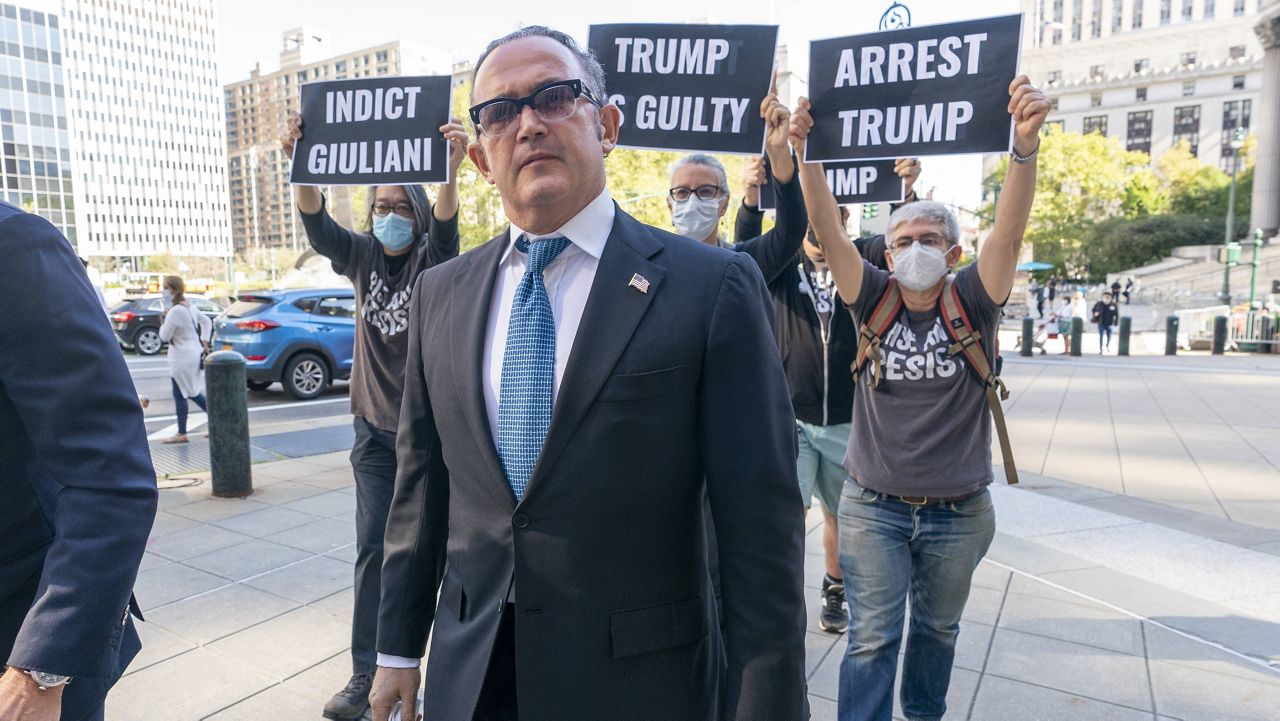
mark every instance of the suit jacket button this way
{"type": "Point", "coordinates": [520, 520]}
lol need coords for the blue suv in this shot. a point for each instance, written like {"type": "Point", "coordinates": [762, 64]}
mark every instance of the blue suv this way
{"type": "Point", "coordinates": [302, 338]}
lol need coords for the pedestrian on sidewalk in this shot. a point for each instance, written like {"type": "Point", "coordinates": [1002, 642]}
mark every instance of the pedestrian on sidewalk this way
{"type": "Point", "coordinates": [915, 515]}
{"type": "Point", "coordinates": [566, 549]}
{"type": "Point", "coordinates": [818, 343]}
{"type": "Point", "coordinates": [76, 481]}
{"type": "Point", "coordinates": [188, 332]}
{"type": "Point", "coordinates": [1061, 321]}
{"type": "Point", "coordinates": [405, 234]}
{"type": "Point", "coordinates": [1128, 289]}
{"type": "Point", "coordinates": [1106, 313]}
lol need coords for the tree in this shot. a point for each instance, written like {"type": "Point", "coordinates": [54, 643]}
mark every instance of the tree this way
{"type": "Point", "coordinates": [1122, 243]}
{"type": "Point", "coordinates": [1202, 190]}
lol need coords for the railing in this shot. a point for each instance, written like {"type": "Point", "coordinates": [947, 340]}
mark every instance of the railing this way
{"type": "Point", "coordinates": [1195, 325]}
{"type": "Point", "coordinates": [1252, 330]}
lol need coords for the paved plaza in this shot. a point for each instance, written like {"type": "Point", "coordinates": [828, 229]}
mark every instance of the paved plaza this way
{"type": "Point", "coordinates": [1135, 575]}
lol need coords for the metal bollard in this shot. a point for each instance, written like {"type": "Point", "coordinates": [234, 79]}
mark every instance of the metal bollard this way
{"type": "Point", "coordinates": [228, 424]}
{"type": "Point", "coordinates": [1126, 326]}
{"type": "Point", "coordinates": [1028, 336]}
{"type": "Point", "coordinates": [1171, 335]}
{"type": "Point", "coordinates": [1267, 332]}
{"type": "Point", "coordinates": [1077, 335]}
{"type": "Point", "coordinates": [1220, 335]}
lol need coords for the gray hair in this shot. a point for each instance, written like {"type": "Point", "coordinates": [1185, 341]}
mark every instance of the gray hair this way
{"type": "Point", "coordinates": [704, 160]}
{"type": "Point", "coordinates": [417, 198]}
{"type": "Point", "coordinates": [929, 211]}
{"type": "Point", "coordinates": [592, 71]}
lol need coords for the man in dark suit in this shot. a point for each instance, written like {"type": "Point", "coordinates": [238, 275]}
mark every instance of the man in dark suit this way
{"type": "Point", "coordinates": [573, 388]}
{"type": "Point", "coordinates": [76, 478]}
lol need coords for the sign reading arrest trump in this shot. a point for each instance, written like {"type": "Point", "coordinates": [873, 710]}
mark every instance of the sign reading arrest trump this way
{"type": "Point", "coordinates": [372, 131]}
{"type": "Point", "coordinates": [688, 87]}
{"type": "Point", "coordinates": [930, 90]}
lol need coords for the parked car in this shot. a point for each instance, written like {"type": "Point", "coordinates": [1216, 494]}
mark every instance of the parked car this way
{"type": "Point", "coordinates": [302, 338]}
{"type": "Point", "coordinates": [137, 321]}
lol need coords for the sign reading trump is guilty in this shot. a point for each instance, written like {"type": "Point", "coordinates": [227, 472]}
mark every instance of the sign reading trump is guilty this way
{"type": "Point", "coordinates": [688, 87]}
{"type": "Point", "coordinates": [930, 90]}
{"type": "Point", "coordinates": [372, 131]}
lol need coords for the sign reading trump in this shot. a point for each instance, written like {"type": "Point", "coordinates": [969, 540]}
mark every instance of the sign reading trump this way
{"type": "Point", "coordinates": [372, 131]}
{"type": "Point", "coordinates": [688, 87]}
{"type": "Point", "coordinates": [864, 181]}
{"type": "Point", "coordinates": [931, 90]}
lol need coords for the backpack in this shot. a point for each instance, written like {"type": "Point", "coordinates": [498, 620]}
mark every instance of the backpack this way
{"type": "Point", "coordinates": [966, 341]}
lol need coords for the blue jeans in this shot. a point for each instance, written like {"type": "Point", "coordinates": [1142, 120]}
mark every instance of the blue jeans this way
{"type": "Point", "coordinates": [180, 407]}
{"type": "Point", "coordinates": [1104, 337]}
{"type": "Point", "coordinates": [887, 549]}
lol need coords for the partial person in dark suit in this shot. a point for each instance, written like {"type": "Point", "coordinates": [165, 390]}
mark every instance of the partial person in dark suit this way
{"type": "Point", "coordinates": [573, 389]}
{"type": "Point", "coordinates": [76, 478]}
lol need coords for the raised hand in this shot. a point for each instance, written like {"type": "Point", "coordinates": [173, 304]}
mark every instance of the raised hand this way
{"type": "Point", "coordinates": [456, 134]}
{"type": "Point", "coordinates": [801, 125]}
{"type": "Point", "coordinates": [909, 170]}
{"type": "Point", "coordinates": [777, 129]}
{"type": "Point", "coordinates": [1029, 108]}
{"type": "Point", "coordinates": [293, 133]}
{"type": "Point", "coordinates": [752, 179]}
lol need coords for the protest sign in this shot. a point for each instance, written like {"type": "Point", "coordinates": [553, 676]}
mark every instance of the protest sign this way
{"type": "Point", "coordinates": [860, 181]}
{"type": "Point", "coordinates": [372, 131]}
{"type": "Point", "coordinates": [930, 90]}
{"type": "Point", "coordinates": [688, 87]}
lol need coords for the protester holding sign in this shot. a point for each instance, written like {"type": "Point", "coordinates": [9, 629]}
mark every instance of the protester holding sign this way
{"type": "Point", "coordinates": [915, 515]}
{"type": "Point", "coordinates": [407, 236]}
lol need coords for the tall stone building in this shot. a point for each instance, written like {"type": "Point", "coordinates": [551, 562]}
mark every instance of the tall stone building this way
{"type": "Point", "coordinates": [1266, 174]}
{"type": "Point", "coordinates": [262, 205]}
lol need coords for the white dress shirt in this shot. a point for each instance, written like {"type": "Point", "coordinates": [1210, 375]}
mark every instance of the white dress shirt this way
{"type": "Point", "coordinates": [568, 281]}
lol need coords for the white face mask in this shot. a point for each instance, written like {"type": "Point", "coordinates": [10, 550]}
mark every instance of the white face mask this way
{"type": "Point", "coordinates": [919, 267]}
{"type": "Point", "coordinates": [696, 218]}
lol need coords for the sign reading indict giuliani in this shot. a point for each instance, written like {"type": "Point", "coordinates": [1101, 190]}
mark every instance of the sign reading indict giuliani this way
{"type": "Point", "coordinates": [688, 87]}
{"type": "Point", "coordinates": [931, 90]}
{"type": "Point", "coordinates": [861, 181]}
{"type": "Point", "coordinates": [371, 131]}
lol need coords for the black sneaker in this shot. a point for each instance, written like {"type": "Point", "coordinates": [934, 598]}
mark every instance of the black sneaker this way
{"type": "Point", "coordinates": [351, 702]}
{"type": "Point", "coordinates": [834, 618]}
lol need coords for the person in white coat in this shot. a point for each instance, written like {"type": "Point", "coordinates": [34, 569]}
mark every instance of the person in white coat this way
{"type": "Point", "coordinates": [187, 331]}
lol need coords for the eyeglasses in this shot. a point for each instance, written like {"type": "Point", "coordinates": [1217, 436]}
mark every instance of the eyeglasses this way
{"type": "Point", "coordinates": [553, 101]}
{"type": "Point", "coordinates": [929, 240]}
{"type": "Point", "coordinates": [404, 209]}
{"type": "Point", "coordinates": [704, 192]}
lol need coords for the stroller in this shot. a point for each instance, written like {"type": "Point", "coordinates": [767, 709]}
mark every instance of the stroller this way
{"type": "Point", "coordinates": [1042, 332]}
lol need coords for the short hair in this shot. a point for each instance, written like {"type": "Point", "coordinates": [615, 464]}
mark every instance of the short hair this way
{"type": "Point", "coordinates": [706, 161]}
{"type": "Point", "coordinates": [417, 198]}
{"type": "Point", "coordinates": [593, 72]}
{"type": "Point", "coordinates": [929, 211]}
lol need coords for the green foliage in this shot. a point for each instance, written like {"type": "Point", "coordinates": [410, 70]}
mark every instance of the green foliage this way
{"type": "Point", "coordinates": [1121, 243]}
{"type": "Point", "coordinates": [1202, 190]}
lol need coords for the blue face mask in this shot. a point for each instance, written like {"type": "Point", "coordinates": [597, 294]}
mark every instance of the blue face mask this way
{"type": "Point", "coordinates": [393, 231]}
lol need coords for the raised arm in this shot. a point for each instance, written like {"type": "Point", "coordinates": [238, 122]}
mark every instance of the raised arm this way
{"type": "Point", "coordinates": [446, 207]}
{"type": "Point", "coordinates": [824, 215]}
{"type": "Point", "coordinates": [323, 233]}
{"type": "Point", "coordinates": [999, 257]}
{"type": "Point", "coordinates": [749, 221]}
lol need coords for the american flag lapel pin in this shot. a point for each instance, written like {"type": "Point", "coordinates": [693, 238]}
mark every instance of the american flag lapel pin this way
{"type": "Point", "coordinates": [639, 282]}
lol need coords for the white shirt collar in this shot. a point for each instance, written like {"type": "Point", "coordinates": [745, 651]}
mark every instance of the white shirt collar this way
{"type": "Point", "coordinates": [588, 230]}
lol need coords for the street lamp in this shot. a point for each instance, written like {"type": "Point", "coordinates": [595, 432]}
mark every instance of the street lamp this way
{"type": "Point", "coordinates": [1228, 245]}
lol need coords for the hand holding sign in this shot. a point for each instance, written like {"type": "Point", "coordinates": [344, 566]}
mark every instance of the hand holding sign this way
{"type": "Point", "coordinates": [801, 125]}
{"type": "Point", "coordinates": [456, 134]}
{"type": "Point", "coordinates": [292, 135]}
{"type": "Point", "coordinates": [1029, 107]}
{"type": "Point", "coordinates": [909, 170]}
{"type": "Point", "coordinates": [752, 179]}
{"type": "Point", "coordinates": [777, 124]}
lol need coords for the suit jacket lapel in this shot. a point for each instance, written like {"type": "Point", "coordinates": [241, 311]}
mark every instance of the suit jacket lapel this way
{"type": "Point", "coordinates": [470, 301]}
{"type": "Point", "coordinates": [613, 311]}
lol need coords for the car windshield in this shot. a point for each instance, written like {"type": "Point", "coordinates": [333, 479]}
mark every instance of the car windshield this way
{"type": "Point", "coordinates": [246, 306]}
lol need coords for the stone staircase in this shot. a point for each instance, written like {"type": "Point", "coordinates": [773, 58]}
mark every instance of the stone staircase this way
{"type": "Point", "coordinates": [1192, 277]}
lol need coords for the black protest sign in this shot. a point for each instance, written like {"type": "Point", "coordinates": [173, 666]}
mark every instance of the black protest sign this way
{"type": "Point", "coordinates": [688, 87]}
{"type": "Point", "coordinates": [931, 90]}
{"type": "Point", "coordinates": [860, 181]}
{"type": "Point", "coordinates": [372, 131]}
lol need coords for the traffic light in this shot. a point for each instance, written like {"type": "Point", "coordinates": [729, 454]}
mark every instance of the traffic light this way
{"type": "Point", "coordinates": [870, 210]}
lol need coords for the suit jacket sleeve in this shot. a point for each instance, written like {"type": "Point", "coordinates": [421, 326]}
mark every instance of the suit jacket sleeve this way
{"type": "Point", "coordinates": [776, 250]}
{"type": "Point", "coordinates": [418, 523]}
{"type": "Point", "coordinates": [90, 464]}
{"type": "Point", "coordinates": [755, 502]}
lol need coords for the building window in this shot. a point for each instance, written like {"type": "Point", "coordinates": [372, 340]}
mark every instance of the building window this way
{"type": "Point", "coordinates": [1077, 12]}
{"type": "Point", "coordinates": [1097, 72]}
{"type": "Point", "coordinates": [1208, 9]}
{"type": "Point", "coordinates": [1236, 52]}
{"type": "Point", "coordinates": [1140, 94]}
{"type": "Point", "coordinates": [1095, 22]}
{"type": "Point", "coordinates": [1141, 65]}
{"type": "Point", "coordinates": [1137, 15]}
{"type": "Point", "coordinates": [382, 54]}
{"type": "Point", "coordinates": [1235, 114]}
{"type": "Point", "coordinates": [1138, 138]}
{"type": "Point", "coordinates": [1055, 78]}
{"type": "Point", "coordinates": [1095, 124]}
{"type": "Point", "coordinates": [1117, 15]}
{"type": "Point", "coordinates": [1053, 103]}
{"type": "Point", "coordinates": [1057, 18]}
{"type": "Point", "coordinates": [1166, 11]}
{"type": "Point", "coordinates": [1187, 60]}
{"type": "Point", "coordinates": [1054, 124]}
{"type": "Point", "coordinates": [1239, 9]}
{"type": "Point", "coordinates": [1186, 126]}
{"type": "Point", "coordinates": [1095, 99]}
{"type": "Point", "coordinates": [1237, 82]}
{"type": "Point", "coordinates": [1188, 9]}
{"type": "Point", "coordinates": [1188, 88]}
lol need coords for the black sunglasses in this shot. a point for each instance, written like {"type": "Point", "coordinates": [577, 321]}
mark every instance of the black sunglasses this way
{"type": "Point", "coordinates": [553, 101]}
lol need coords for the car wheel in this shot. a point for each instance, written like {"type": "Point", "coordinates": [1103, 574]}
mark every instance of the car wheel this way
{"type": "Point", "coordinates": [305, 376]}
{"type": "Point", "coordinates": [258, 385]}
{"type": "Point", "coordinates": [147, 341]}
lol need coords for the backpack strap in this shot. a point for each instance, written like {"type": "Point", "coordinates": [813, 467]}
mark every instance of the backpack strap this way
{"type": "Point", "coordinates": [873, 330]}
{"type": "Point", "coordinates": [967, 341]}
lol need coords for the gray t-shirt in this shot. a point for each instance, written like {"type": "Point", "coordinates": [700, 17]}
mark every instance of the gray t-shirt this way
{"type": "Point", "coordinates": [927, 430]}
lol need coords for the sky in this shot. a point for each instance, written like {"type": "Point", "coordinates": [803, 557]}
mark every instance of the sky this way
{"type": "Point", "coordinates": [250, 31]}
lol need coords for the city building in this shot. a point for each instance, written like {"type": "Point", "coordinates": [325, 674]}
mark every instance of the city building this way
{"type": "Point", "coordinates": [1148, 72]}
{"type": "Point", "coordinates": [262, 206]}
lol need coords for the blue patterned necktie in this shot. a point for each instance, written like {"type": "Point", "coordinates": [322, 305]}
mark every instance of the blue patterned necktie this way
{"type": "Point", "coordinates": [528, 368]}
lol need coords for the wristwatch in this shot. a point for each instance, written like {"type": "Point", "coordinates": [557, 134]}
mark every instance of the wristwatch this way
{"type": "Point", "coordinates": [45, 681]}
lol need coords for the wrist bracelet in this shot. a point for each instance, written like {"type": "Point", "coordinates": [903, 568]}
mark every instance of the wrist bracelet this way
{"type": "Point", "coordinates": [1024, 159]}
